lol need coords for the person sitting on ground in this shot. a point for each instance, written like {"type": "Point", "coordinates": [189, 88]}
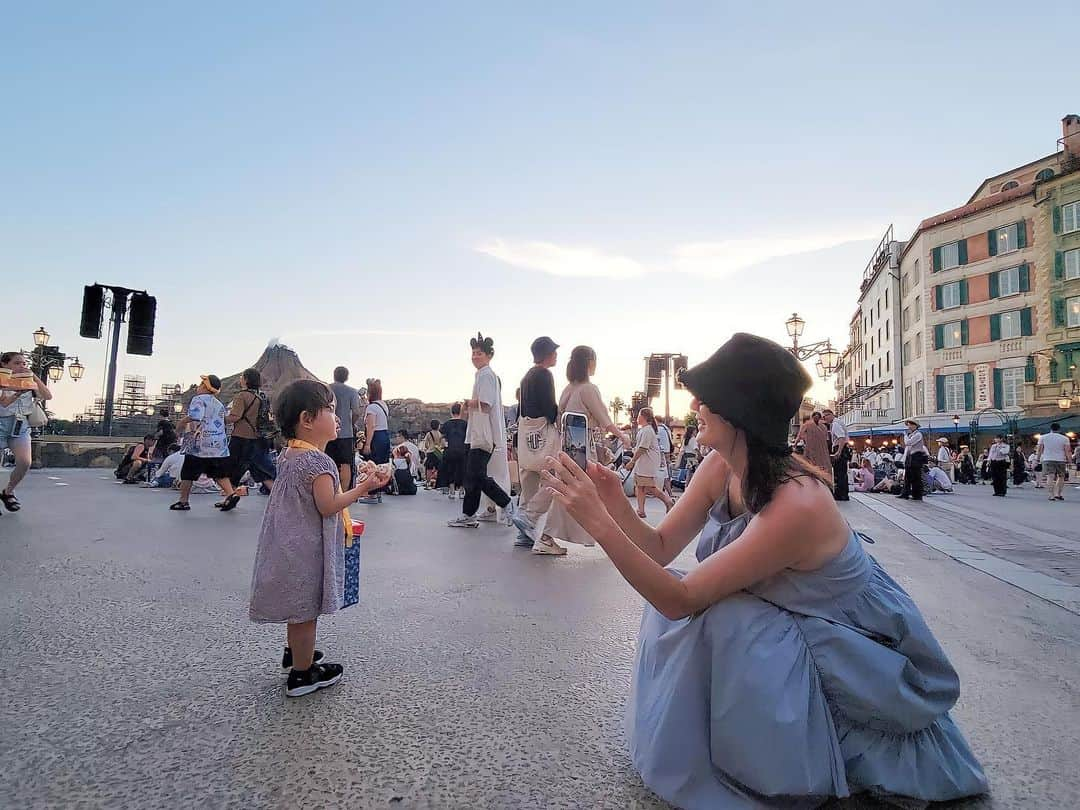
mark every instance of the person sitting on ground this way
{"type": "Point", "coordinates": [141, 455]}
{"type": "Point", "coordinates": [434, 443]}
{"type": "Point", "coordinates": [938, 480]}
{"type": "Point", "coordinates": [402, 460]}
{"type": "Point", "coordinates": [168, 474]}
{"type": "Point", "coordinates": [787, 667]}
{"type": "Point", "coordinates": [414, 452]}
{"type": "Point", "coordinates": [889, 485]}
{"type": "Point", "coordinates": [165, 436]}
{"type": "Point", "coordinates": [864, 476]}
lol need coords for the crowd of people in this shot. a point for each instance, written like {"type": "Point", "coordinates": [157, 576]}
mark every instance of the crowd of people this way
{"type": "Point", "coordinates": [784, 608]}
{"type": "Point", "coordinates": [908, 468]}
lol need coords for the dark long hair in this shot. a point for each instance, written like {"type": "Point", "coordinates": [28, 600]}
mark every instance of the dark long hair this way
{"type": "Point", "coordinates": [766, 470]}
{"type": "Point", "coordinates": [577, 369]}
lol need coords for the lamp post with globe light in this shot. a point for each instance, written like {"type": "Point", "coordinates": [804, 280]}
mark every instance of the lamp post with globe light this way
{"type": "Point", "coordinates": [828, 357]}
{"type": "Point", "coordinates": [47, 362]}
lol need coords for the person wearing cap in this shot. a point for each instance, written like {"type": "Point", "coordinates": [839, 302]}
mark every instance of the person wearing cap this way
{"type": "Point", "coordinates": [537, 429]}
{"type": "Point", "coordinates": [915, 456]}
{"type": "Point", "coordinates": [998, 458]}
{"type": "Point", "coordinates": [206, 447]}
{"type": "Point", "coordinates": [787, 667]}
{"type": "Point", "coordinates": [945, 457]}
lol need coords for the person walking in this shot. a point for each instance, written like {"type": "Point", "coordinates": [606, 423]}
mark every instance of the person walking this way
{"type": "Point", "coordinates": [16, 405]}
{"type": "Point", "coordinates": [815, 440]}
{"type": "Point", "coordinates": [787, 667]}
{"type": "Point", "coordinates": [1053, 453]}
{"type": "Point", "coordinates": [839, 453]}
{"type": "Point", "coordinates": [248, 450]}
{"type": "Point", "coordinates": [644, 465]}
{"type": "Point", "coordinates": [998, 459]}
{"type": "Point", "coordinates": [350, 414]}
{"type": "Point", "coordinates": [485, 436]}
{"type": "Point", "coordinates": [538, 431]}
{"type": "Point", "coordinates": [583, 397]}
{"type": "Point", "coordinates": [452, 468]}
{"type": "Point", "coordinates": [206, 448]}
{"type": "Point", "coordinates": [915, 457]}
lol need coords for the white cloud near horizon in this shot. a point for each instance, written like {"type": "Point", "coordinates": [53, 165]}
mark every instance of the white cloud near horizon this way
{"type": "Point", "coordinates": [712, 259]}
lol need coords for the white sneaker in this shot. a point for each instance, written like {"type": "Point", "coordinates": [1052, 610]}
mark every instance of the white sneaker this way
{"type": "Point", "coordinates": [545, 545]}
{"type": "Point", "coordinates": [451, 496]}
{"type": "Point", "coordinates": [461, 494]}
{"type": "Point", "coordinates": [508, 513]}
{"type": "Point", "coordinates": [463, 522]}
{"type": "Point", "coordinates": [489, 516]}
{"type": "Point", "coordinates": [519, 518]}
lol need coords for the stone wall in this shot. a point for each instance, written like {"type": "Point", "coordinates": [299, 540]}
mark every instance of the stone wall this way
{"type": "Point", "coordinates": [81, 451]}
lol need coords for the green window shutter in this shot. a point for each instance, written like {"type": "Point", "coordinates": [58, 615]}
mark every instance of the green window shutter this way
{"type": "Point", "coordinates": [1057, 220]}
{"type": "Point", "coordinates": [1059, 312]}
{"type": "Point", "coordinates": [995, 327]}
{"type": "Point", "coordinates": [936, 252]}
{"type": "Point", "coordinates": [961, 251]}
{"type": "Point", "coordinates": [995, 285]}
{"type": "Point", "coordinates": [1029, 370]}
{"type": "Point", "coordinates": [969, 391]}
{"type": "Point", "coordinates": [963, 291]}
{"type": "Point", "coordinates": [991, 241]}
{"type": "Point", "coordinates": [1021, 234]}
{"type": "Point", "coordinates": [937, 296]}
{"type": "Point", "coordinates": [1025, 278]}
{"type": "Point", "coordinates": [1059, 265]}
{"type": "Point", "coordinates": [997, 387]}
{"type": "Point", "coordinates": [964, 332]}
{"type": "Point", "coordinates": [1025, 322]}
{"type": "Point", "coordinates": [939, 334]}
{"type": "Point", "coordinates": [1054, 370]}
{"type": "Point", "coordinates": [939, 385]}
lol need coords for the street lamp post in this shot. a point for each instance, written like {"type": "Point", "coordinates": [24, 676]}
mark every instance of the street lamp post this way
{"type": "Point", "coordinates": [956, 429]}
{"type": "Point", "coordinates": [828, 357]}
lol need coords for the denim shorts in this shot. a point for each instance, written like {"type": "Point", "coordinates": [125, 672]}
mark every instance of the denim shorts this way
{"type": "Point", "coordinates": [7, 426]}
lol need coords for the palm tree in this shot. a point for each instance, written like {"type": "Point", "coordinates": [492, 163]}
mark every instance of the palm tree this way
{"type": "Point", "coordinates": [617, 406]}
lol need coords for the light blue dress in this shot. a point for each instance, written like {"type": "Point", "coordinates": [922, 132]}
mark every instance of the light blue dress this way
{"type": "Point", "coordinates": [806, 686]}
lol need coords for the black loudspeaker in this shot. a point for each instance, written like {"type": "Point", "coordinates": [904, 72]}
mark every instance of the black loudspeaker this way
{"type": "Point", "coordinates": [678, 366]}
{"type": "Point", "coordinates": [93, 303]}
{"type": "Point", "coordinates": [141, 313]}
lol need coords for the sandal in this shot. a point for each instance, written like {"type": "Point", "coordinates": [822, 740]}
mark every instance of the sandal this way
{"type": "Point", "coordinates": [230, 503]}
{"type": "Point", "coordinates": [11, 503]}
{"type": "Point", "coordinates": [180, 506]}
{"type": "Point", "coordinates": [642, 515]}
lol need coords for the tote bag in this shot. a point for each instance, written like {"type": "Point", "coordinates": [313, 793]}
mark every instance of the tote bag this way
{"type": "Point", "coordinates": [537, 439]}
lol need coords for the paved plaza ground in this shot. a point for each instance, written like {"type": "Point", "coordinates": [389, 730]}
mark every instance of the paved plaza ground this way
{"type": "Point", "coordinates": [476, 675]}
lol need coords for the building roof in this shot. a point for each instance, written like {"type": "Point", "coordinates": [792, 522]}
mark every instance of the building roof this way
{"type": "Point", "coordinates": [1003, 175]}
{"type": "Point", "coordinates": [964, 211]}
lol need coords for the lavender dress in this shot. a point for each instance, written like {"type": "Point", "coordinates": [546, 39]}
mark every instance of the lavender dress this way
{"type": "Point", "coordinates": [300, 562]}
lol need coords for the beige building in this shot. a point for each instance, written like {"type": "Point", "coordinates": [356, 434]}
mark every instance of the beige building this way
{"type": "Point", "coordinates": [975, 305]}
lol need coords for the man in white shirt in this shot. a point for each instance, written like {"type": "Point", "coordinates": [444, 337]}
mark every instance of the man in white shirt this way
{"type": "Point", "coordinates": [944, 457]}
{"type": "Point", "coordinates": [1053, 452]}
{"type": "Point", "coordinates": [998, 457]}
{"type": "Point", "coordinates": [667, 445]}
{"type": "Point", "coordinates": [840, 450]}
{"type": "Point", "coordinates": [485, 435]}
{"type": "Point", "coordinates": [873, 457]}
{"type": "Point", "coordinates": [915, 457]}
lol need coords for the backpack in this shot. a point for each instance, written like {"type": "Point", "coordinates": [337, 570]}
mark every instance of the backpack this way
{"type": "Point", "coordinates": [264, 426]}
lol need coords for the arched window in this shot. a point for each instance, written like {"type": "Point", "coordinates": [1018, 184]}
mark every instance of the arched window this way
{"type": "Point", "coordinates": [1044, 175]}
{"type": "Point", "coordinates": [1010, 185]}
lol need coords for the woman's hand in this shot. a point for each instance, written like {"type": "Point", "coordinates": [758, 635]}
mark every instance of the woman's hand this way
{"type": "Point", "coordinates": [578, 491]}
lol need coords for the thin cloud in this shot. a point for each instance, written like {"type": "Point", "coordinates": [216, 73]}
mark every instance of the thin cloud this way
{"type": "Point", "coordinates": [371, 333]}
{"type": "Point", "coordinates": [710, 259]}
{"type": "Point", "coordinates": [562, 260]}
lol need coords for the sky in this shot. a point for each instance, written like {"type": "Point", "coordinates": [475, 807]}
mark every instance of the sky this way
{"type": "Point", "coordinates": [371, 184]}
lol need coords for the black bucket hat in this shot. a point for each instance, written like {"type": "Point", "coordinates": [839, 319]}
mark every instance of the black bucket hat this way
{"type": "Point", "coordinates": [754, 384]}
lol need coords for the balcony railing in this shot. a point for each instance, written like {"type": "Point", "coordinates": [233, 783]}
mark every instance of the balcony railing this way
{"type": "Point", "coordinates": [869, 416]}
{"type": "Point", "coordinates": [1011, 346]}
{"type": "Point", "coordinates": [951, 355]}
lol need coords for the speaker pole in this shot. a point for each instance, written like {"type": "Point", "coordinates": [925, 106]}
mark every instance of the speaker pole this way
{"type": "Point", "coordinates": [119, 308]}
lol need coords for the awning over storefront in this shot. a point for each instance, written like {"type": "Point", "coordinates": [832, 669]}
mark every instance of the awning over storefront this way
{"type": "Point", "coordinates": [1041, 424]}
